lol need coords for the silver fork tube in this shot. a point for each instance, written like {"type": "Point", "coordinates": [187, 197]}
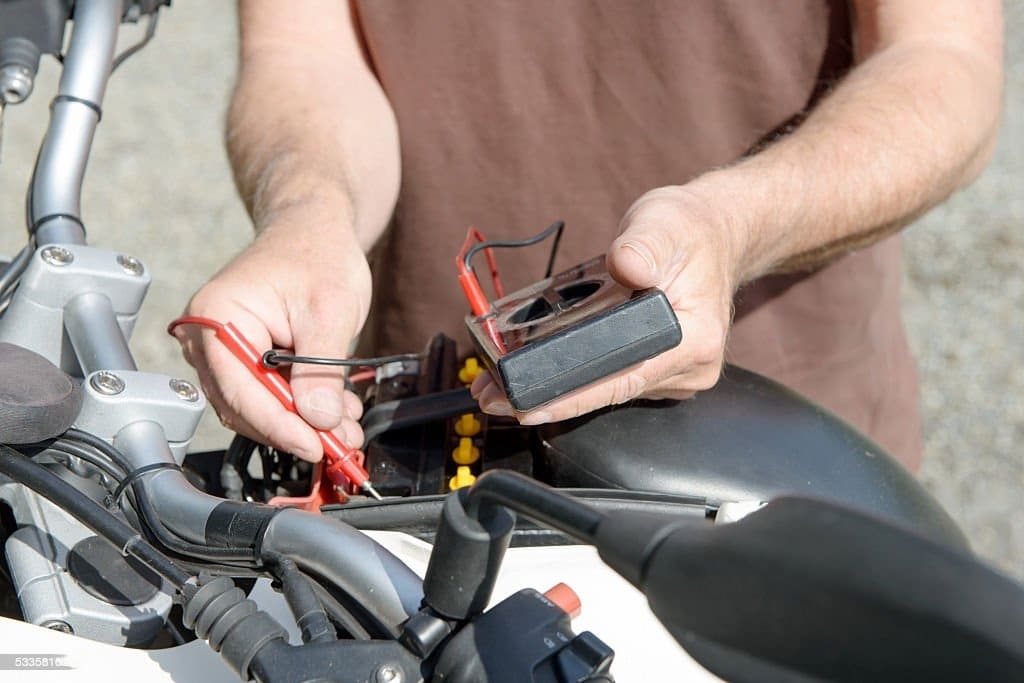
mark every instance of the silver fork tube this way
{"type": "Point", "coordinates": [56, 191]}
{"type": "Point", "coordinates": [95, 335]}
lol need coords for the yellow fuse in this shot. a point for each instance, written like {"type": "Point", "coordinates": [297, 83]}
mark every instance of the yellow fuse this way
{"type": "Point", "coordinates": [469, 371]}
{"type": "Point", "coordinates": [465, 453]}
{"type": "Point", "coordinates": [463, 477]}
{"type": "Point", "coordinates": [467, 425]}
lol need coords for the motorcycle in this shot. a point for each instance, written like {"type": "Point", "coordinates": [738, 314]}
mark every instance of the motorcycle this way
{"type": "Point", "coordinates": [744, 535]}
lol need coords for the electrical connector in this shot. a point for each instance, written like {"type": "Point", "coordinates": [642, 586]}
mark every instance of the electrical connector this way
{"type": "Point", "coordinates": [468, 425]}
{"type": "Point", "coordinates": [463, 478]}
{"type": "Point", "coordinates": [471, 369]}
{"type": "Point", "coordinates": [465, 453]}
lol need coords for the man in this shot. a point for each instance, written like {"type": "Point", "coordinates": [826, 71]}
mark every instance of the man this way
{"type": "Point", "coordinates": [753, 152]}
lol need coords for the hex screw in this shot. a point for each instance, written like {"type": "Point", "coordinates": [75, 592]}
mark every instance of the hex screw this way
{"type": "Point", "coordinates": [107, 383]}
{"type": "Point", "coordinates": [56, 256]}
{"type": "Point", "coordinates": [185, 390]}
{"type": "Point", "coordinates": [130, 265]}
{"type": "Point", "coordinates": [57, 625]}
{"type": "Point", "coordinates": [387, 674]}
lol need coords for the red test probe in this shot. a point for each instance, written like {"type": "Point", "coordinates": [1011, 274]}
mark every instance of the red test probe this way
{"type": "Point", "coordinates": [342, 462]}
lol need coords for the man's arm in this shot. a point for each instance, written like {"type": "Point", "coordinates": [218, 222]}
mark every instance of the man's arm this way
{"type": "Point", "coordinates": [309, 122]}
{"type": "Point", "coordinates": [914, 120]}
{"type": "Point", "coordinates": [314, 146]}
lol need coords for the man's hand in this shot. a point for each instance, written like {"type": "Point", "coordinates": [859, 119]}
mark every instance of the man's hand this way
{"type": "Point", "coordinates": [671, 239]}
{"type": "Point", "coordinates": [291, 289]}
{"type": "Point", "coordinates": [314, 148]}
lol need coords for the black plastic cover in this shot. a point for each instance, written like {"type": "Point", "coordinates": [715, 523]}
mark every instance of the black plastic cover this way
{"type": "Point", "coordinates": [41, 22]}
{"type": "Point", "coordinates": [811, 588]}
{"type": "Point", "coordinates": [748, 438]}
{"type": "Point", "coordinates": [466, 558]}
{"type": "Point", "coordinates": [38, 400]}
{"type": "Point", "coordinates": [523, 639]}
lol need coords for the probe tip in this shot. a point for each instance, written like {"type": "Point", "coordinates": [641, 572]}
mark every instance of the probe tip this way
{"type": "Point", "coordinates": [368, 488]}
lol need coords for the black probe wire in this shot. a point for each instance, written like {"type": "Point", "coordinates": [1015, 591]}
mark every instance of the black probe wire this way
{"type": "Point", "coordinates": [555, 228]}
{"type": "Point", "coordinates": [273, 358]}
{"type": "Point", "coordinates": [29, 473]}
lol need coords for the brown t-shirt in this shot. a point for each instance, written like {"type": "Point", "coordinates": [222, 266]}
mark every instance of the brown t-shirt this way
{"type": "Point", "coordinates": [515, 113]}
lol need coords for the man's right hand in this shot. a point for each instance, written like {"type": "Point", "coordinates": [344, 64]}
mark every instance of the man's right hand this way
{"type": "Point", "coordinates": [293, 288]}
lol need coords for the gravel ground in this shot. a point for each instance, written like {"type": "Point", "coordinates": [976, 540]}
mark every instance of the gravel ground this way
{"type": "Point", "coordinates": [159, 187]}
{"type": "Point", "coordinates": [964, 306]}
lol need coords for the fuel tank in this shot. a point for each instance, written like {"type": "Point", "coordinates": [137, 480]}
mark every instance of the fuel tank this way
{"type": "Point", "coordinates": [747, 439]}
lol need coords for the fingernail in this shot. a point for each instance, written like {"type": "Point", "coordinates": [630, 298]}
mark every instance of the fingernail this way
{"type": "Point", "coordinates": [644, 253]}
{"type": "Point", "coordinates": [499, 407]}
{"type": "Point", "coordinates": [326, 402]}
{"type": "Point", "coordinates": [537, 418]}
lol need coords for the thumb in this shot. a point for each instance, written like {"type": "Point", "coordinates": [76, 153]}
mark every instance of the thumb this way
{"type": "Point", "coordinates": [647, 250]}
{"type": "Point", "coordinates": [319, 389]}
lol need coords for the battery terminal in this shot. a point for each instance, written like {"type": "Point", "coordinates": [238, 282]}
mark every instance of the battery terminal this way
{"type": "Point", "coordinates": [465, 453]}
{"type": "Point", "coordinates": [463, 478]}
{"type": "Point", "coordinates": [471, 369]}
{"type": "Point", "coordinates": [468, 425]}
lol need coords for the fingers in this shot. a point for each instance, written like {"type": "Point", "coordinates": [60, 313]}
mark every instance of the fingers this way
{"type": "Point", "coordinates": [652, 243]}
{"type": "Point", "coordinates": [242, 403]}
{"type": "Point", "coordinates": [324, 324]}
{"type": "Point", "coordinates": [633, 383]}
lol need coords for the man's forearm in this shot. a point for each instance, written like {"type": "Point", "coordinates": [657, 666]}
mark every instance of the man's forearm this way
{"type": "Point", "coordinates": [309, 125]}
{"type": "Point", "coordinates": [913, 121]}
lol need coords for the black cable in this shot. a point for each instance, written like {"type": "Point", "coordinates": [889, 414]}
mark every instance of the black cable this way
{"type": "Point", "coordinates": [135, 474]}
{"type": "Point", "coordinates": [305, 606]}
{"type": "Point", "coordinates": [275, 358]}
{"type": "Point", "coordinates": [148, 36]}
{"type": "Point", "coordinates": [555, 227]}
{"type": "Point", "coordinates": [36, 477]}
{"type": "Point", "coordinates": [337, 612]}
{"type": "Point", "coordinates": [169, 539]}
{"type": "Point", "coordinates": [77, 450]}
{"type": "Point", "coordinates": [535, 500]}
{"type": "Point", "coordinates": [12, 271]}
{"type": "Point", "coordinates": [107, 449]}
{"type": "Point", "coordinates": [147, 512]}
{"type": "Point", "coordinates": [554, 250]}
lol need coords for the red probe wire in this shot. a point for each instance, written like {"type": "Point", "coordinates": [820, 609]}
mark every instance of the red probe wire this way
{"type": "Point", "coordinates": [467, 278]}
{"type": "Point", "coordinates": [342, 462]}
{"type": "Point", "coordinates": [478, 302]}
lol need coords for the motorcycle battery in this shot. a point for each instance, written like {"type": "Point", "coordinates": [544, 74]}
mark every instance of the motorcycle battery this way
{"type": "Point", "coordinates": [570, 330]}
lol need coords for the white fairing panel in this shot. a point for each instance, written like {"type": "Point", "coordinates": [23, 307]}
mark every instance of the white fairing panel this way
{"type": "Point", "coordinates": [612, 609]}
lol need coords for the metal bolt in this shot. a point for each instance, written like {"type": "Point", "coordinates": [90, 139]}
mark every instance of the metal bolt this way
{"type": "Point", "coordinates": [185, 390]}
{"type": "Point", "coordinates": [130, 265]}
{"type": "Point", "coordinates": [107, 383]}
{"type": "Point", "coordinates": [388, 674]}
{"type": "Point", "coordinates": [56, 256]}
{"type": "Point", "coordinates": [56, 625]}
{"type": "Point", "coordinates": [15, 83]}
